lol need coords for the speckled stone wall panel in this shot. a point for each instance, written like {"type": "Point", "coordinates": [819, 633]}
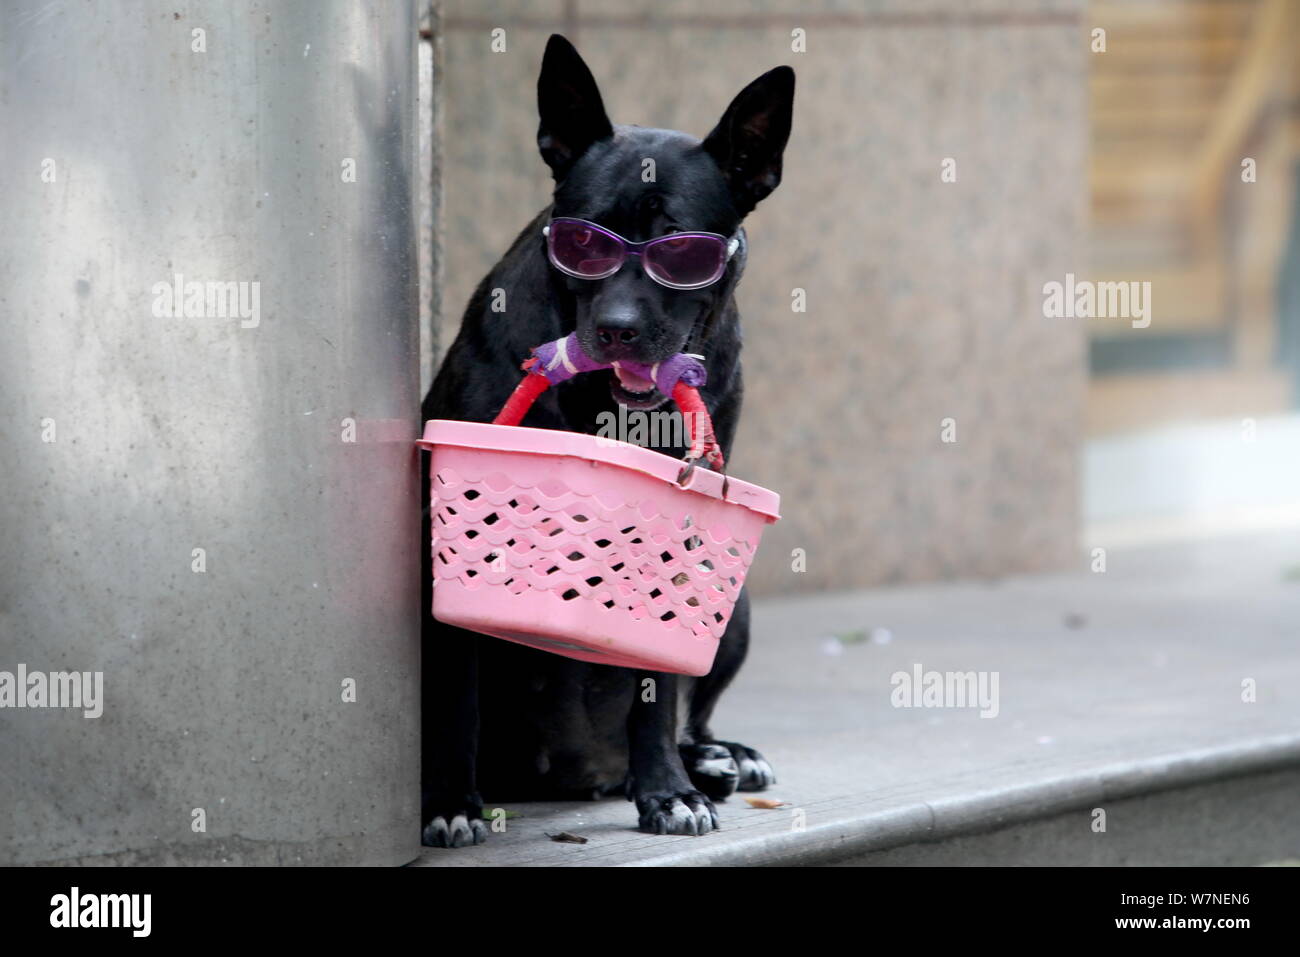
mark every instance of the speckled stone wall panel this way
{"type": "Point", "coordinates": [923, 296]}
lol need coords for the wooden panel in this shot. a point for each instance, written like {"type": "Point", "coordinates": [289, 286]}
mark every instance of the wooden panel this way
{"type": "Point", "coordinates": [1109, 90]}
{"type": "Point", "coordinates": [1203, 16]}
{"type": "Point", "coordinates": [1181, 116]}
{"type": "Point", "coordinates": [1183, 299]}
{"type": "Point", "coordinates": [1149, 247]}
{"type": "Point", "coordinates": [1131, 172]}
{"type": "Point", "coordinates": [1143, 53]}
{"type": "Point", "coordinates": [1272, 46]}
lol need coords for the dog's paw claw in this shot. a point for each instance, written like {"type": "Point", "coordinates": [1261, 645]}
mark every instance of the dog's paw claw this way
{"type": "Point", "coordinates": [687, 813]}
{"type": "Point", "coordinates": [461, 831]}
{"type": "Point", "coordinates": [755, 773]}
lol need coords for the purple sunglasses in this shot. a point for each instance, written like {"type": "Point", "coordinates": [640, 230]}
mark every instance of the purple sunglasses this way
{"type": "Point", "coordinates": [678, 260]}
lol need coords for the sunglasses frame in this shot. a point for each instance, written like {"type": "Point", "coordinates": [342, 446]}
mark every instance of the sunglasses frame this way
{"type": "Point", "coordinates": [635, 249]}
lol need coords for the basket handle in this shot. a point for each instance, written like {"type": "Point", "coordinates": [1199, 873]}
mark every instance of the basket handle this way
{"type": "Point", "coordinates": [704, 444]}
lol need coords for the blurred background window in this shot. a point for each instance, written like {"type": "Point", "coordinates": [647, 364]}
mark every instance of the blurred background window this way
{"type": "Point", "coordinates": [1195, 167]}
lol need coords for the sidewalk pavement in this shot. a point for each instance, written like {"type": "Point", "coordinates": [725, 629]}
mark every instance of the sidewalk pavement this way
{"type": "Point", "coordinates": [1110, 685]}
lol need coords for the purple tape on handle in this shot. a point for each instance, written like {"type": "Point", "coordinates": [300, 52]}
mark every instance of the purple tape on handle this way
{"type": "Point", "coordinates": [562, 359]}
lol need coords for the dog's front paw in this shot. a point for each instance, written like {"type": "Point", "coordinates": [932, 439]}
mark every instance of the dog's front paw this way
{"type": "Point", "coordinates": [686, 812]}
{"type": "Point", "coordinates": [712, 768]}
{"type": "Point", "coordinates": [454, 830]}
{"type": "Point", "coordinates": [755, 773]}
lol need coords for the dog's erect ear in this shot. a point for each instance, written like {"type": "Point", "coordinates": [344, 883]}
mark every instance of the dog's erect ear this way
{"type": "Point", "coordinates": [573, 116]}
{"type": "Point", "coordinates": [748, 141]}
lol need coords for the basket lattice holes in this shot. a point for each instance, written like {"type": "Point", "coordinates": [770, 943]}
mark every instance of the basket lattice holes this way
{"type": "Point", "coordinates": [551, 538]}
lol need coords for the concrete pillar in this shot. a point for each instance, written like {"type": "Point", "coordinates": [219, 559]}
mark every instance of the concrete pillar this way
{"type": "Point", "coordinates": [215, 508]}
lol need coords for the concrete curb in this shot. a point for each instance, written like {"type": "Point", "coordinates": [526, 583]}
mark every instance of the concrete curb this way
{"type": "Point", "coordinates": [926, 821]}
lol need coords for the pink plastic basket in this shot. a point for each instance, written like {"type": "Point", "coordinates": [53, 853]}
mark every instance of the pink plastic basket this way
{"type": "Point", "coordinates": [587, 547]}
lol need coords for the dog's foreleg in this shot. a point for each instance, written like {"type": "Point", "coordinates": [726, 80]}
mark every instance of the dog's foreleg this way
{"type": "Point", "coordinates": [666, 801]}
{"type": "Point", "coordinates": [718, 768]}
{"type": "Point", "coordinates": [451, 811]}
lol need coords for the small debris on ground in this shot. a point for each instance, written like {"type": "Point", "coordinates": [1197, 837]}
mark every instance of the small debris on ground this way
{"type": "Point", "coordinates": [766, 804]}
{"type": "Point", "coordinates": [564, 837]}
{"type": "Point", "coordinates": [833, 645]}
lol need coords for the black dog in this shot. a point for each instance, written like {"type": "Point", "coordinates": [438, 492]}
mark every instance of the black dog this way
{"type": "Point", "coordinates": [525, 724]}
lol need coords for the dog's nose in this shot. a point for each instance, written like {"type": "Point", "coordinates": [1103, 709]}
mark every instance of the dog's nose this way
{"type": "Point", "coordinates": [608, 336]}
{"type": "Point", "coordinates": [618, 330]}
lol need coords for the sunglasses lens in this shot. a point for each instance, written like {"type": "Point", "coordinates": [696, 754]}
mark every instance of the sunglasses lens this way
{"type": "Point", "coordinates": [582, 251]}
{"type": "Point", "coordinates": [686, 261]}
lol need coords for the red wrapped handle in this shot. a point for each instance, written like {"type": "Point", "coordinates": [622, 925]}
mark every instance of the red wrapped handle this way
{"type": "Point", "coordinates": [704, 444]}
{"type": "Point", "coordinates": [522, 399]}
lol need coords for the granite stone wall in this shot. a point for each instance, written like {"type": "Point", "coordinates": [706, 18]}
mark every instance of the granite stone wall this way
{"type": "Point", "coordinates": [923, 317]}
